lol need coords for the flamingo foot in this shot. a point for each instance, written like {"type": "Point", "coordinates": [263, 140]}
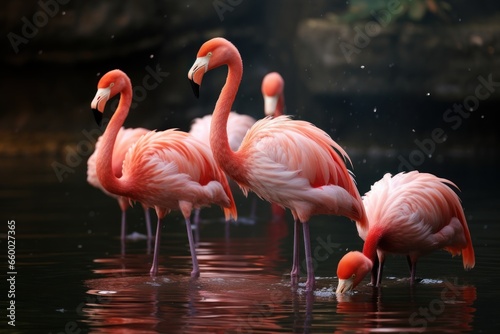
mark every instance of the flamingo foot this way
{"type": "Point", "coordinates": [154, 270]}
{"type": "Point", "coordinates": [195, 274]}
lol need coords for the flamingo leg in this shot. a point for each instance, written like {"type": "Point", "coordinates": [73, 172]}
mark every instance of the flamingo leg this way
{"type": "Point", "coordinates": [124, 225]}
{"type": "Point", "coordinates": [197, 225]}
{"type": "Point", "coordinates": [309, 263]}
{"type": "Point", "coordinates": [375, 271]}
{"type": "Point", "coordinates": [412, 266]}
{"type": "Point", "coordinates": [379, 272]}
{"type": "Point", "coordinates": [148, 223]}
{"type": "Point", "coordinates": [197, 217]}
{"type": "Point", "coordinates": [123, 231]}
{"type": "Point", "coordinates": [154, 266]}
{"type": "Point", "coordinates": [295, 264]}
{"type": "Point", "coordinates": [196, 268]}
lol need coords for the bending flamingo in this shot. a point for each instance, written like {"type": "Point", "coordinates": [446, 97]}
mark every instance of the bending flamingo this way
{"type": "Point", "coordinates": [124, 140]}
{"type": "Point", "coordinates": [166, 170]}
{"type": "Point", "coordinates": [412, 214]}
{"type": "Point", "coordinates": [288, 162]}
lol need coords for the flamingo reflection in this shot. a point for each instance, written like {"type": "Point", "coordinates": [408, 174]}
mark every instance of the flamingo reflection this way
{"type": "Point", "coordinates": [443, 307]}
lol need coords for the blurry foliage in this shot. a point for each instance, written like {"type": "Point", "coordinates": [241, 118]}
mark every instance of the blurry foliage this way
{"type": "Point", "coordinates": [414, 10]}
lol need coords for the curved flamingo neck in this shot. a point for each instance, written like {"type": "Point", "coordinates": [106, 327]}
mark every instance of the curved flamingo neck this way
{"type": "Point", "coordinates": [371, 243]}
{"type": "Point", "coordinates": [104, 166]}
{"type": "Point", "coordinates": [280, 106]}
{"type": "Point", "coordinates": [231, 162]}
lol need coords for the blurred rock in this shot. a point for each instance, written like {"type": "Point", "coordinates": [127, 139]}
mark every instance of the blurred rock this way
{"type": "Point", "coordinates": [372, 58]}
{"type": "Point", "coordinates": [64, 31]}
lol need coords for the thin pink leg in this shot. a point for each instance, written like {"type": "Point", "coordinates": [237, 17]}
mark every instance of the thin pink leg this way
{"type": "Point", "coordinates": [123, 231]}
{"type": "Point", "coordinates": [412, 264]}
{"type": "Point", "coordinates": [295, 264]}
{"type": "Point", "coordinates": [309, 264]}
{"type": "Point", "coordinates": [194, 258]}
{"type": "Point", "coordinates": [148, 223]}
{"type": "Point", "coordinates": [197, 218]}
{"type": "Point", "coordinates": [124, 225]}
{"type": "Point", "coordinates": [197, 225]}
{"type": "Point", "coordinates": [154, 266]}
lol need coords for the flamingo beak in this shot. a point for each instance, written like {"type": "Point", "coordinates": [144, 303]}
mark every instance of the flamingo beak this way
{"type": "Point", "coordinates": [195, 74]}
{"type": "Point", "coordinates": [270, 103]}
{"type": "Point", "coordinates": [345, 285]}
{"type": "Point", "coordinates": [97, 116]}
{"type": "Point", "coordinates": [99, 103]}
{"type": "Point", "coordinates": [196, 88]}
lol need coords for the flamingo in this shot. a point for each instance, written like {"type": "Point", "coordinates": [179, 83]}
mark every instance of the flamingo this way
{"type": "Point", "coordinates": [167, 170]}
{"type": "Point", "coordinates": [124, 139]}
{"type": "Point", "coordinates": [288, 162]}
{"type": "Point", "coordinates": [272, 92]}
{"type": "Point", "coordinates": [412, 214]}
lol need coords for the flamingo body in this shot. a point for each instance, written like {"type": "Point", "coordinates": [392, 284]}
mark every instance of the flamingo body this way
{"type": "Point", "coordinates": [294, 164]}
{"type": "Point", "coordinates": [412, 214]}
{"type": "Point", "coordinates": [179, 172]}
{"type": "Point", "coordinates": [237, 127]}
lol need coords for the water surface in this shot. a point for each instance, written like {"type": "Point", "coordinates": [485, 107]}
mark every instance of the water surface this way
{"type": "Point", "coordinates": [73, 276]}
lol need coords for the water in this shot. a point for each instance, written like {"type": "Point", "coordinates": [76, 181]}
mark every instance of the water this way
{"type": "Point", "coordinates": [74, 277]}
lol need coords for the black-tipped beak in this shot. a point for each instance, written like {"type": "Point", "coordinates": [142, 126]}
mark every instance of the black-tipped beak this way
{"type": "Point", "coordinates": [97, 116]}
{"type": "Point", "coordinates": [196, 88]}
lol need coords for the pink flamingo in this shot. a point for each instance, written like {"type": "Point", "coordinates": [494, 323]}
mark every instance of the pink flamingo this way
{"type": "Point", "coordinates": [166, 170]}
{"type": "Point", "coordinates": [124, 140]}
{"type": "Point", "coordinates": [412, 214]}
{"type": "Point", "coordinates": [288, 162]}
{"type": "Point", "coordinates": [272, 92]}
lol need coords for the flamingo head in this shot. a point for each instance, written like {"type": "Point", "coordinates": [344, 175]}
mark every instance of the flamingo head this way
{"type": "Point", "coordinates": [213, 53]}
{"type": "Point", "coordinates": [351, 270]}
{"type": "Point", "coordinates": [110, 84]}
{"type": "Point", "coordinates": [272, 91]}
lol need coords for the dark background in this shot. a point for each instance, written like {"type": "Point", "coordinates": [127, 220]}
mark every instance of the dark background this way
{"type": "Point", "coordinates": [410, 66]}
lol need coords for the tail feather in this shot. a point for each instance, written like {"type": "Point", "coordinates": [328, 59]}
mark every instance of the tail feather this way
{"type": "Point", "coordinates": [229, 212]}
{"type": "Point", "coordinates": [468, 257]}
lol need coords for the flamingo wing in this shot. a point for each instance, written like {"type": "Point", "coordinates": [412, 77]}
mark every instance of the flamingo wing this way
{"type": "Point", "coordinates": [297, 165]}
{"type": "Point", "coordinates": [237, 127]}
{"type": "Point", "coordinates": [176, 161]}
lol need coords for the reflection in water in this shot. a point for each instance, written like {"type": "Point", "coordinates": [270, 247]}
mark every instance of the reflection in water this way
{"type": "Point", "coordinates": [73, 249]}
{"type": "Point", "coordinates": [245, 305]}
{"type": "Point", "coordinates": [240, 291]}
{"type": "Point", "coordinates": [441, 306]}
